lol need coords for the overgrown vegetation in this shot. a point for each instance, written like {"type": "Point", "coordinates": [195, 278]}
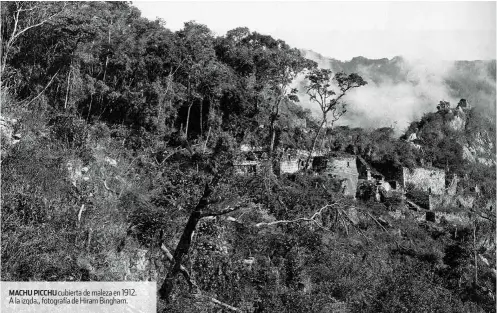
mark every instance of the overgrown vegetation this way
{"type": "Point", "coordinates": [125, 172]}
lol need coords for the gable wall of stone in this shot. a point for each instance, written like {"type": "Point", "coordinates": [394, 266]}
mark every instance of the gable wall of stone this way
{"type": "Point", "coordinates": [345, 168]}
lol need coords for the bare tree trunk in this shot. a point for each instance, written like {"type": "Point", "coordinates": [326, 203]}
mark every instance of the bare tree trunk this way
{"type": "Point", "coordinates": [189, 108]}
{"type": "Point", "coordinates": [188, 120]}
{"type": "Point", "coordinates": [49, 83]}
{"type": "Point", "coordinates": [201, 112]}
{"type": "Point", "coordinates": [207, 139]}
{"type": "Point", "coordinates": [108, 51]}
{"type": "Point", "coordinates": [105, 67]}
{"type": "Point", "coordinates": [67, 90]}
{"type": "Point", "coordinates": [181, 250]}
{"type": "Point", "coordinates": [314, 141]}
{"type": "Point", "coordinates": [89, 109]}
{"type": "Point", "coordinates": [272, 139]}
{"type": "Point", "coordinates": [475, 253]}
{"type": "Point", "coordinates": [272, 134]}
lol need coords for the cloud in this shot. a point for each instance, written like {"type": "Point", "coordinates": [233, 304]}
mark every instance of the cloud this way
{"type": "Point", "coordinates": [385, 102]}
{"type": "Point", "coordinates": [401, 90]}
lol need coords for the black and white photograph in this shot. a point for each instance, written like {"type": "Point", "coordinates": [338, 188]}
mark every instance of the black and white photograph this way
{"type": "Point", "coordinates": [248, 156]}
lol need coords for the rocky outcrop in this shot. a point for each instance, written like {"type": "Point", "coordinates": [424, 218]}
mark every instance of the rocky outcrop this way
{"type": "Point", "coordinates": [9, 134]}
{"type": "Point", "coordinates": [458, 123]}
{"type": "Point", "coordinates": [478, 149]}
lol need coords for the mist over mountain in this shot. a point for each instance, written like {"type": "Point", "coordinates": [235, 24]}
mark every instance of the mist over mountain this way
{"type": "Point", "coordinates": [401, 90]}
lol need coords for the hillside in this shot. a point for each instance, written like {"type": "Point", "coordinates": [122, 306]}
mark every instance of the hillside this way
{"type": "Point", "coordinates": [131, 152]}
{"type": "Point", "coordinates": [468, 128]}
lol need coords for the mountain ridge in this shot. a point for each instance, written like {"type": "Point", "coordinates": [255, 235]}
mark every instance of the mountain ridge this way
{"type": "Point", "coordinates": [401, 90]}
{"type": "Point", "coordinates": [314, 54]}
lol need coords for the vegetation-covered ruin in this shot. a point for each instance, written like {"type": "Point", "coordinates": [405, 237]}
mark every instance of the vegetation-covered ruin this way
{"type": "Point", "coordinates": [121, 149]}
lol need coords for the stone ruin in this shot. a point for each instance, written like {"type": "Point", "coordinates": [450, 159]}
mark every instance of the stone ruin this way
{"type": "Point", "coordinates": [372, 183]}
{"type": "Point", "coordinates": [246, 167]}
{"type": "Point", "coordinates": [342, 167]}
{"type": "Point", "coordinates": [429, 180]}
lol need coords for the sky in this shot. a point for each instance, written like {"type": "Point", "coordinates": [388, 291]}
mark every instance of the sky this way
{"type": "Point", "coordinates": [343, 30]}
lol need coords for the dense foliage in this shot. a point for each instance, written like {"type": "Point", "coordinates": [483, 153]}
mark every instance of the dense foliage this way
{"type": "Point", "coordinates": [130, 133]}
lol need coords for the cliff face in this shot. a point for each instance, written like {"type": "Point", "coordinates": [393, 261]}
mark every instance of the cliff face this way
{"type": "Point", "coordinates": [478, 149]}
{"type": "Point", "coordinates": [458, 123]}
{"type": "Point", "coordinates": [478, 142]}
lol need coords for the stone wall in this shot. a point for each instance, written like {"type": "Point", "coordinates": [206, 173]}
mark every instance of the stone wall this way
{"type": "Point", "coordinates": [246, 167]}
{"type": "Point", "coordinates": [428, 180]}
{"type": "Point", "coordinates": [290, 167]}
{"type": "Point", "coordinates": [419, 197]}
{"type": "Point", "coordinates": [344, 168]}
{"type": "Point", "coordinates": [298, 123]}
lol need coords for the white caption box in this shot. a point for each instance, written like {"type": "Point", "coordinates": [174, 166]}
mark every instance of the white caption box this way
{"type": "Point", "coordinates": [74, 297]}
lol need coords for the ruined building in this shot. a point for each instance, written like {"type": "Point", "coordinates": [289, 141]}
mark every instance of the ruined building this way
{"type": "Point", "coordinates": [290, 166]}
{"type": "Point", "coordinates": [246, 167]}
{"type": "Point", "coordinates": [292, 161]}
{"type": "Point", "coordinates": [342, 167]}
{"type": "Point", "coordinates": [367, 172]}
{"type": "Point", "coordinates": [371, 182]}
{"type": "Point", "coordinates": [421, 185]}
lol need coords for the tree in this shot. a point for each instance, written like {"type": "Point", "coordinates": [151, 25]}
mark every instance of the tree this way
{"type": "Point", "coordinates": [277, 65]}
{"type": "Point", "coordinates": [443, 106]}
{"type": "Point", "coordinates": [269, 67]}
{"type": "Point", "coordinates": [18, 18]}
{"type": "Point", "coordinates": [321, 89]}
{"type": "Point", "coordinates": [217, 167]}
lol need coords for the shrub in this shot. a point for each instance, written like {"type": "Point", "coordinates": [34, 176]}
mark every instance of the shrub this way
{"type": "Point", "coordinates": [99, 132]}
{"type": "Point", "coordinates": [412, 290]}
{"type": "Point", "coordinates": [70, 130]}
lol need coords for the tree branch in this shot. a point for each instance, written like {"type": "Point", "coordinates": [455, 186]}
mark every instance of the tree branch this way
{"type": "Point", "coordinates": [107, 187]}
{"type": "Point", "coordinates": [16, 35]}
{"type": "Point", "coordinates": [374, 219]}
{"type": "Point", "coordinates": [222, 212]}
{"type": "Point", "coordinates": [228, 209]}
{"type": "Point", "coordinates": [302, 219]}
{"type": "Point", "coordinates": [488, 218]}
{"type": "Point", "coordinates": [182, 269]}
{"type": "Point", "coordinates": [355, 226]}
{"type": "Point", "coordinates": [49, 83]}
{"type": "Point", "coordinates": [215, 301]}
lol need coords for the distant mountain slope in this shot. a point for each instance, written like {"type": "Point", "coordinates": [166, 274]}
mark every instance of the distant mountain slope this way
{"type": "Point", "coordinates": [456, 132]}
{"type": "Point", "coordinates": [400, 91]}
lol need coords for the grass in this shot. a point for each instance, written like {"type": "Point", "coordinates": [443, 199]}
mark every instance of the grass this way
{"type": "Point", "coordinates": [45, 234]}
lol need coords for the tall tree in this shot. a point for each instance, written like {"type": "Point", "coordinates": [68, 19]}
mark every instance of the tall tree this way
{"type": "Point", "coordinates": [271, 66]}
{"type": "Point", "coordinates": [328, 92]}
